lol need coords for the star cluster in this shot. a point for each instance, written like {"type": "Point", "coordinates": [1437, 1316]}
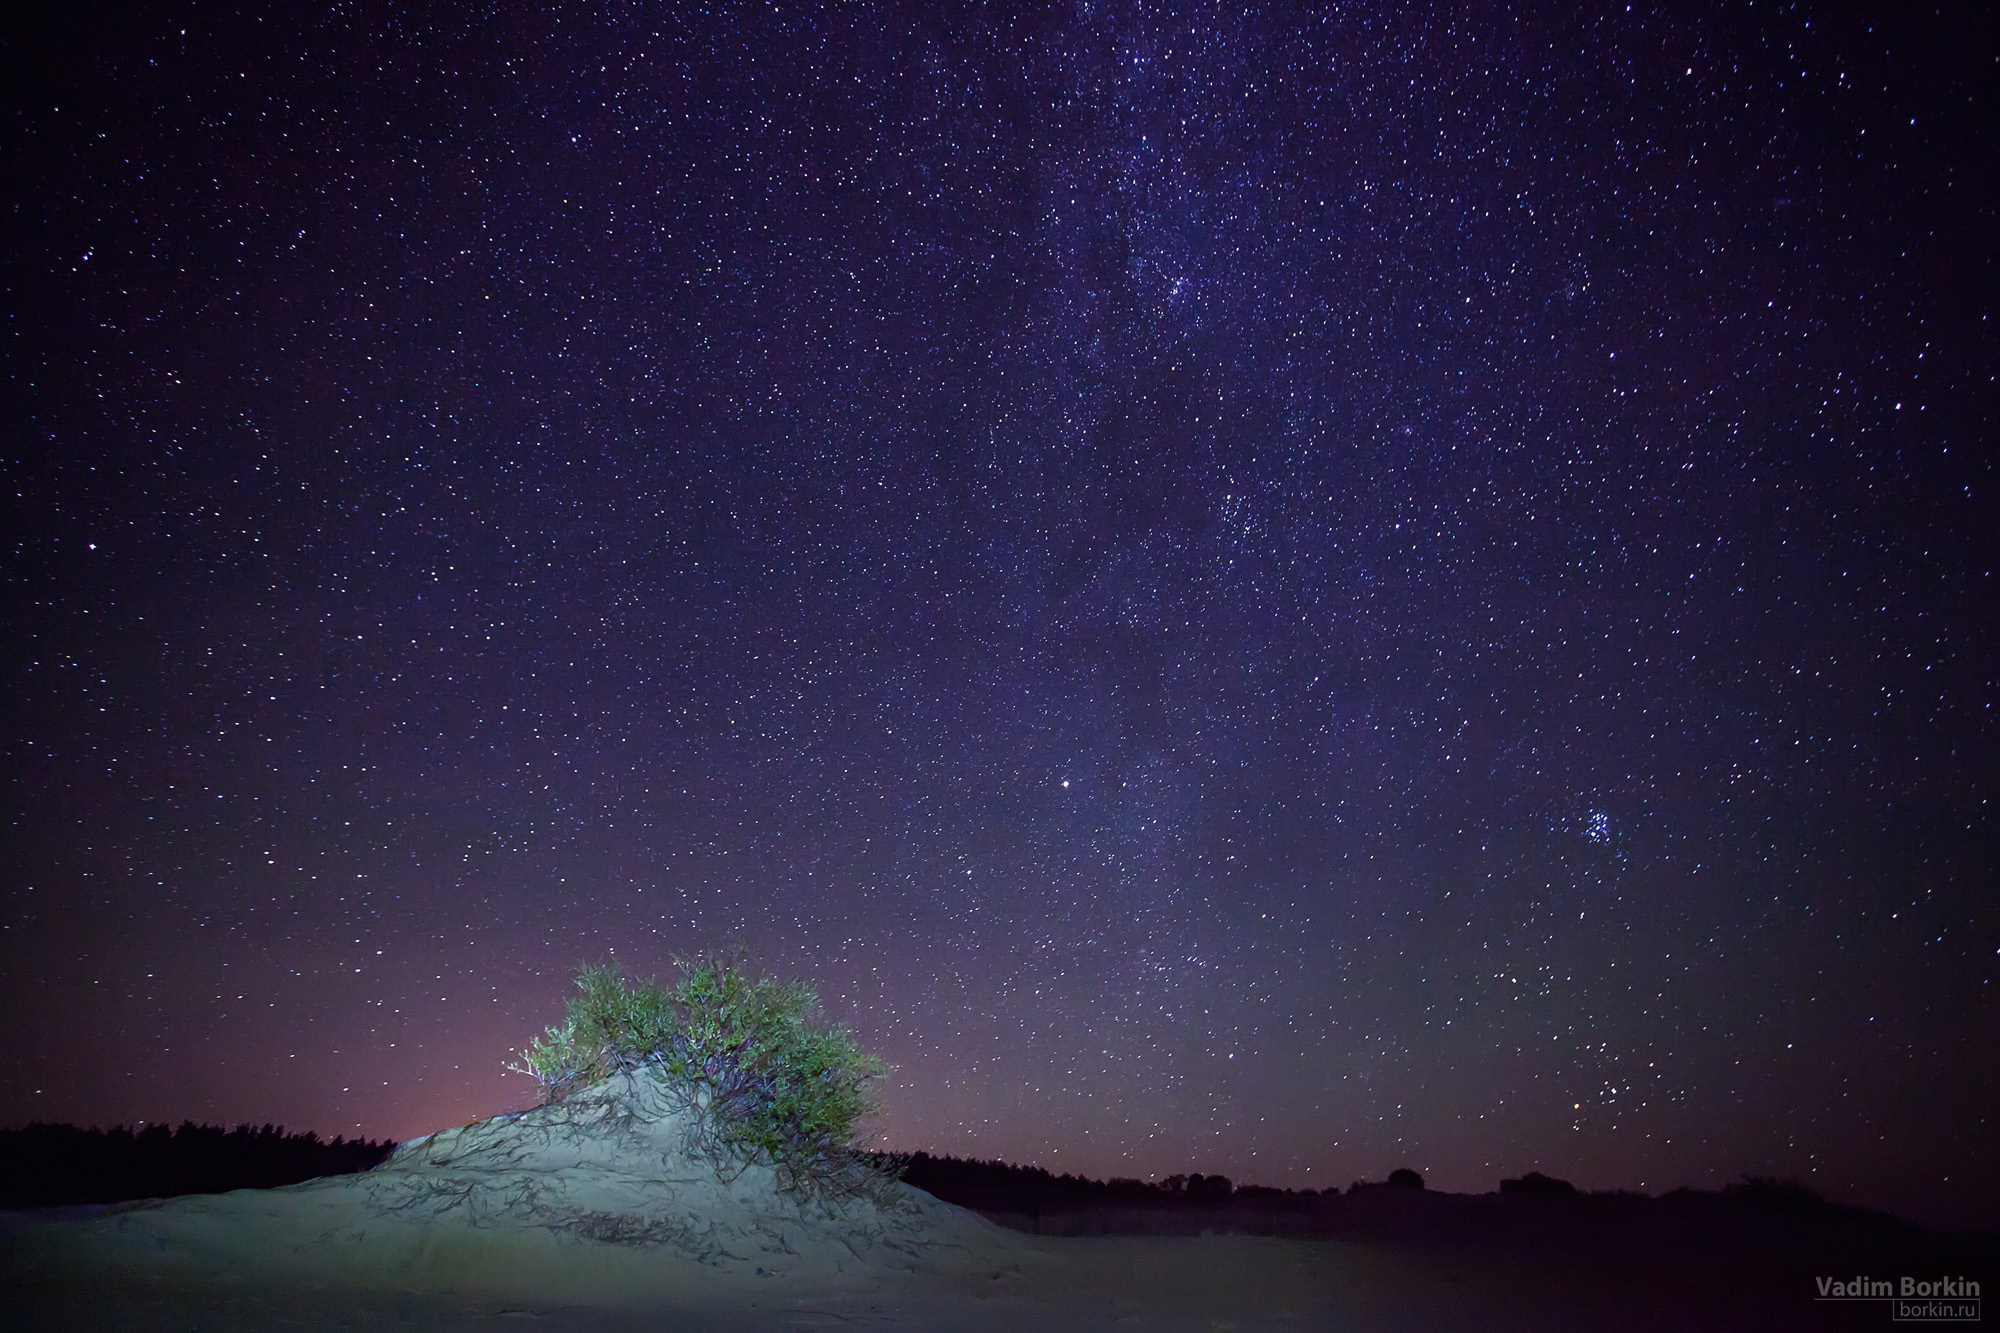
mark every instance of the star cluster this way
{"type": "Point", "coordinates": [1277, 592]}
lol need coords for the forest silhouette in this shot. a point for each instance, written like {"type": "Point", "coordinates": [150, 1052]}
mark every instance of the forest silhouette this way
{"type": "Point", "coordinates": [45, 1165]}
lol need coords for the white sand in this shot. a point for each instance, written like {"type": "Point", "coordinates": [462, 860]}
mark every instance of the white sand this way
{"type": "Point", "coordinates": [592, 1215]}
{"type": "Point", "coordinates": [610, 1165]}
{"type": "Point", "coordinates": [590, 1205]}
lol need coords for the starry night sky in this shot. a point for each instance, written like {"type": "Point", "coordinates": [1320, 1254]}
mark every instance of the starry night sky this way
{"type": "Point", "coordinates": [1276, 592]}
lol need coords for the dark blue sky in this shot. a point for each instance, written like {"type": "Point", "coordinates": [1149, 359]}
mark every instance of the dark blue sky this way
{"type": "Point", "coordinates": [1243, 590]}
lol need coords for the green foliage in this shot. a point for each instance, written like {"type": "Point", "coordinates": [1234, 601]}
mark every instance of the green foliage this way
{"type": "Point", "coordinates": [760, 1075]}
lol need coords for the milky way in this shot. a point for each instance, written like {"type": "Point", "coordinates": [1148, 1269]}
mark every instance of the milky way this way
{"type": "Point", "coordinates": [1276, 593]}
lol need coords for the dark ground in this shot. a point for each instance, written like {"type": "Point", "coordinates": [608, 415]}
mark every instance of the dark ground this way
{"type": "Point", "coordinates": [1749, 1256]}
{"type": "Point", "coordinates": [1201, 1256]}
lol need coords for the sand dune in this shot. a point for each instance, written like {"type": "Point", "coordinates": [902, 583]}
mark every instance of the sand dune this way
{"type": "Point", "coordinates": [611, 1164]}
{"type": "Point", "coordinates": [591, 1204]}
{"type": "Point", "coordinates": [592, 1214]}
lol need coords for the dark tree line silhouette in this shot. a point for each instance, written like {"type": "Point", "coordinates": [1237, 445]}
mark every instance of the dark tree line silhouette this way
{"type": "Point", "coordinates": [1001, 1187]}
{"type": "Point", "coordinates": [45, 1164]}
{"type": "Point", "coordinates": [1005, 1187]}
{"type": "Point", "coordinates": [1531, 1207]}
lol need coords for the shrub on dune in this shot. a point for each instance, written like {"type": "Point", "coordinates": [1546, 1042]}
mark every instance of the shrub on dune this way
{"type": "Point", "coordinates": [759, 1074]}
